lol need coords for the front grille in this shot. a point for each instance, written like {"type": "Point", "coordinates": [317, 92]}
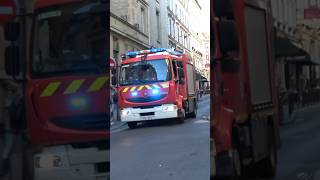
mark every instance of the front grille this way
{"type": "Point", "coordinates": [103, 167]}
{"type": "Point", "coordinates": [147, 114]}
{"type": "Point", "coordinates": [145, 99]}
{"type": "Point", "coordinates": [83, 122]}
{"type": "Point", "coordinates": [101, 145]}
{"type": "Point", "coordinates": [147, 107]}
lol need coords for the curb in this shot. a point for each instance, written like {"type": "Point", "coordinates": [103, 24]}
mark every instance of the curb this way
{"type": "Point", "coordinates": [118, 126]}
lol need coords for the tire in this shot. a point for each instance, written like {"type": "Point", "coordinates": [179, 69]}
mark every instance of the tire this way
{"type": "Point", "coordinates": [133, 125]}
{"type": "Point", "coordinates": [236, 165]}
{"type": "Point", "coordinates": [194, 113]}
{"type": "Point", "coordinates": [267, 168]}
{"type": "Point", "coordinates": [182, 116]}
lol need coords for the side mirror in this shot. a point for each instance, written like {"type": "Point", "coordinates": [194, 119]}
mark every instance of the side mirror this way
{"type": "Point", "coordinates": [223, 8]}
{"type": "Point", "coordinates": [113, 81]}
{"type": "Point", "coordinates": [115, 98]}
{"type": "Point", "coordinates": [113, 71]}
{"type": "Point", "coordinates": [180, 73]}
{"type": "Point", "coordinates": [11, 31]}
{"type": "Point", "coordinates": [12, 61]}
{"type": "Point", "coordinates": [228, 36]}
{"type": "Point", "coordinates": [181, 81]}
{"type": "Point", "coordinates": [230, 65]}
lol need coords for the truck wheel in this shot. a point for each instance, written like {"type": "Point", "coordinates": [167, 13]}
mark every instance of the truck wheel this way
{"type": "Point", "coordinates": [236, 165]}
{"type": "Point", "coordinates": [182, 116]}
{"type": "Point", "coordinates": [267, 167]}
{"type": "Point", "coordinates": [133, 125]}
{"type": "Point", "coordinates": [194, 113]}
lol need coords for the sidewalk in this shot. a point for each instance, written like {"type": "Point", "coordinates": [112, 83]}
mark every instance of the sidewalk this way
{"type": "Point", "coordinates": [296, 114]}
{"type": "Point", "coordinates": [118, 126]}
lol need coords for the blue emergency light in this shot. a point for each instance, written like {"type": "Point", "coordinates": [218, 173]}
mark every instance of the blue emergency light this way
{"type": "Point", "coordinates": [134, 94]}
{"type": "Point", "coordinates": [133, 54]}
{"type": "Point", "coordinates": [155, 91]}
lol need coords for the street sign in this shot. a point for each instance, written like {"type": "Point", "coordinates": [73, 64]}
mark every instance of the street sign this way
{"type": "Point", "coordinates": [112, 63]}
{"type": "Point", "coordinates": [7, 11]}
{"type": "Point", "coordinates": [312, 13]}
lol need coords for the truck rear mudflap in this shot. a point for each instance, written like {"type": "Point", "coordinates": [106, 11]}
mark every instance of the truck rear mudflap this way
{"type": "Point", "coordinates": [69, 163]}
{"type": "Point", "coordinates": [165, 111]}
{"type": "Point", "coordinates": [224, 164]}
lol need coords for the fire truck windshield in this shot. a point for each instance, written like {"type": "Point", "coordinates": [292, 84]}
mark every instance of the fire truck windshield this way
{"type": "Point", "coordinates": [69, 39]}
{"type": "Point", "coordinates": [148, 71]}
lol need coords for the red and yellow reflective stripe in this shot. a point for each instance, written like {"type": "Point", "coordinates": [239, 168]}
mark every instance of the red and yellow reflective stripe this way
{"type": "Point", "coordinates": [133, 88]}
{"type": "Point", "coordinates": [50, 89]}
{"type": "Point", "coordinates": [125, 89]}
{"type": "Point", "coordinates": [98, 84]}
{"type": "Point", "coordinates": [74, 86]}
{"type": "Point", "coordinates": [147, 86]}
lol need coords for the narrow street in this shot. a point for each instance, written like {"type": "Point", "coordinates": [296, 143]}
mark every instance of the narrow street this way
{"type": "Point", "coordinates": [298, 158]}
{"type": "Point", "coordinates": [163, 150]}
{"type": "Point", "coordinates": [299, 155]}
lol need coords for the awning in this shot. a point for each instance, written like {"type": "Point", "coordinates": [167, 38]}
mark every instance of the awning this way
{"type": "Point", "coordinates": [284, 48]}
{"type": "Point", "coordinates": [200, 77]}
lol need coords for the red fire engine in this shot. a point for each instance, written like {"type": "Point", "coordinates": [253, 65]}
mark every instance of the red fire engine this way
{"type": "Point", "coordinates": [156, 84]}
{"type": "Point", "coordinates": [244, 107]}
{"type": "Point", "coordinates": [61, 69]}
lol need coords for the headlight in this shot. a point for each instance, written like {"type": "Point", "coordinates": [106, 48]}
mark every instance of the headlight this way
{"type": "Point", "coordinates": [79, 102]}
{"type": "Point", "coordinates": [48, 161]}
{"type": "Point", "coordinates": [169, 108]}
{"type": "Point", "coordinates": [125, 112]}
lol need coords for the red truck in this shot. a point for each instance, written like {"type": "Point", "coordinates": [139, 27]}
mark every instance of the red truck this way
{"type": "Point", "coordinates": [57, 56]}
{"type": "Point", "coordinates": [244, 118]}
{"type": "Point", "coordinates": [156, 84]}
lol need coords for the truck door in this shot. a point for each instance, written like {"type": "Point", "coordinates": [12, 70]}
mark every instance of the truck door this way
{"type": "Point", "coordinates": [182, 80]}
{"type": "Point", "coordinates": [176, 77]}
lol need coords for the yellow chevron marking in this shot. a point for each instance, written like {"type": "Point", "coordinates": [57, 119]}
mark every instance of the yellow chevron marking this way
{"type": "Point", "coordinates": [156, 86]}
{"type": "Point", "coordinates": [133, 88]}
{"type": "Point", "coordinates": [164, 85]}
{"type": "Point", "coordinates": [148, 87]}
{"type": "Point", "coordinates": [74, 86]}
{"type": "Point", "coordinates": [125, 89]}
{"type": "Point", "coordinates": [140, 88]}
{"type": "Point", "coordinates": [98, 84]}
{"type": "Point", "coordinates": [50, 89]}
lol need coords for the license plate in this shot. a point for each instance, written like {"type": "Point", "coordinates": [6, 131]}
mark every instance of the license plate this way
{"type": "Point", "coordinates": [144, 118]}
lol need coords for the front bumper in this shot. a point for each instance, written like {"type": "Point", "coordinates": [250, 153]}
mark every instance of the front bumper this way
{"type": "Point", "coordinates": [165, 111]}
{"type": "Point", "coordinates": [67, 163]}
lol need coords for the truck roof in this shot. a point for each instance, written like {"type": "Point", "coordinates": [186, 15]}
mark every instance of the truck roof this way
{"type": "Point", "coordinates": [49, 3]}
{"type": "Point", "coordinates": [151, 57]}
{"type": "Point", "coordinates": [152, 54]}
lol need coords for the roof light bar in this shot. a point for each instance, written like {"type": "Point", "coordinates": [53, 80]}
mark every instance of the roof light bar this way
{"type": "Point", "coordinates": [152, 50]}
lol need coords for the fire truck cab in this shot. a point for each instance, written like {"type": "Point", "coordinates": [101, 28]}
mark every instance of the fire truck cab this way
{"type": "Point", "coordinates": [56, 54]}
{"type": "Point", "coordinates": [156, 84]}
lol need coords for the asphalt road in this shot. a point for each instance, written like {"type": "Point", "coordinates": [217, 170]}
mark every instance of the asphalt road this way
{"type": "Point", "coordinates": [163, 150]}
{"type": "Point", "coordinates": [299, 156]}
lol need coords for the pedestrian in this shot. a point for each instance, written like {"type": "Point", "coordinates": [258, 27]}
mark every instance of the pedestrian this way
{"type": "Point", "coordinates": [291, 93]}
{"type": "Point", "coordinates": [302, 88]}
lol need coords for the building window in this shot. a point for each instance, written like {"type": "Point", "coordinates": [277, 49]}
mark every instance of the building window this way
{"type": "Point", "coordinates": [143, 20]}
{"type": "Point", "coordinates": [173, 29]}
{"type": "Point", "coordinates": [115, 48]}
{"type": "Point", "coordinates": [169, 27]}
{"type": "Point", "coordinates": [178, 34]}
{"type": "Point", "coordinates": [158, 25]}
{"type": "Point", "coordinates": [176, 10]}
